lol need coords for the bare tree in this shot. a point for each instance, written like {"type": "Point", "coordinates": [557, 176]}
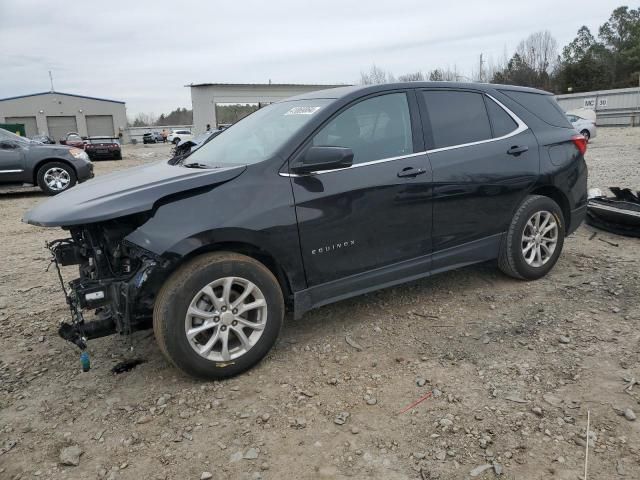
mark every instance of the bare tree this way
{"type": "Point", "coordinates": [143, 120]}
{"type": "Point", "coordinates": [444, 75]}
{"type": "Point", "coordinates": [376, 75]}
{"type": "Point", "coordinates": [412, 77]}
{"type": "Point", "coordinates": [539, 51]}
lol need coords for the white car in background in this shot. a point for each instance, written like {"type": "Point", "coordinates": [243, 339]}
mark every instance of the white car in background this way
{"type": "Point", "coordinates": [175, 136]}
{"type": "Point", "coordinates": [587, 128]}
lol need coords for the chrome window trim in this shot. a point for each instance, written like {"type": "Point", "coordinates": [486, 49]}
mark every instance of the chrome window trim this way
{"type": "Point", "coordinates": [11, 171]}
{"type": "Point", "coordinates": [363, 164]}
{"type": "Point", "coordinates": [521, 127]}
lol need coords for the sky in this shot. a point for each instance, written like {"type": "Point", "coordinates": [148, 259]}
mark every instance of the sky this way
{"type": "Point", "coordinates": [144, 52]}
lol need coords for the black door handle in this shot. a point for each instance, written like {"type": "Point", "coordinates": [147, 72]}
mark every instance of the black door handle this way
{"type": "Point", "coordinates": [411, 172]}
{"type": "Point", "coordinates": [517, 150]}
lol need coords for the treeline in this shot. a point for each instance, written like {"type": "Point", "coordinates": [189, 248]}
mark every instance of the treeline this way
{"type": "Point", "coordinates": [610, 59]}
{"type": "Point", "coordinates": [181, 116]}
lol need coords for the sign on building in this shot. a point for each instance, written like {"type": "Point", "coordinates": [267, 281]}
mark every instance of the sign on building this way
{"type": "Point", "coordinates": [590, 103]}
{"type": "Point", "coordinates": [602, 102]}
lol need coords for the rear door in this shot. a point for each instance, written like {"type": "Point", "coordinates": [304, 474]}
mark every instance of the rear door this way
{"type": "Point", "coordinates": [377, 212]}
{"type": "Point", "coordinates": [484, 160]}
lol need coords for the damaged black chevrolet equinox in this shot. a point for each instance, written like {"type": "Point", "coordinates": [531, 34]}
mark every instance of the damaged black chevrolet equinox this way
{"type": "Point", "coordinates": [312, 200]}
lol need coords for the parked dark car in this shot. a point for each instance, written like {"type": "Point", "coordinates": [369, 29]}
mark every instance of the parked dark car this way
{"type": "Point", "coordinates": [73, 139]}
{"type": "Point", "coordinates": [46, 139]}
{"type": "Point", "coordinates": [315, 199]}
{"type": "Point", "coordinates": [152, 137]}
{"type": "Point", "coordinates": [99, 148]}
{"type": "Point", "coordinates": [54, 168]}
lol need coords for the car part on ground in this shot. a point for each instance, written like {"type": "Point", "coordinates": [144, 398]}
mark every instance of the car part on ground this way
{"type": "Point", "coordinates": [54, 168]}
{"type": "Point", "coordinates": [315, 199]}
{"type": "Point", "coordinates": [619, 214]}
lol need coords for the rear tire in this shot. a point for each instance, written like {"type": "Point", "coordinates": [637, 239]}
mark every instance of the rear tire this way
{"type": "Point", "coordinates": [56, 177]}
{"type": "Point", "coordinates": [534, 240]}
{"type": "Point", "coordinates": [209, 286]}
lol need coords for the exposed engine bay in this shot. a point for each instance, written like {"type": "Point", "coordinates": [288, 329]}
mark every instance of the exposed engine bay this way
{"type": "Point", "coordinates": [116, 280]}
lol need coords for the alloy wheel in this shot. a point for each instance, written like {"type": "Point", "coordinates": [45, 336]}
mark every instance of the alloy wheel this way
{"type": "Point", "coordinates": [57, 179]}
{"type": "Point", "coordinates": [539, 238]}
{"type": "Point", "coordinates": [226, 319]}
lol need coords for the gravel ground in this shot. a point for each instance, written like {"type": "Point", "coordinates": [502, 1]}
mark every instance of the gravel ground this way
{"type": "Point", "coordinates": [513, 369]}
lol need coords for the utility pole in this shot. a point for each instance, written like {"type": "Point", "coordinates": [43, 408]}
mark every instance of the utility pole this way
{"type": "Point", "coordinates": [51, 80]}
{"type": "Point", "coordinates": [480, 71]}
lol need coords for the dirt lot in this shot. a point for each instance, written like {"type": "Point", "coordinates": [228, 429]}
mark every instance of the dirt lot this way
{"type": "Point", "coordinates": [514, 367]}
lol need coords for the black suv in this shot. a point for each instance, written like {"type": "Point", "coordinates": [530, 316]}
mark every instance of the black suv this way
{"type": "Point", "coordinates": [312, 200]}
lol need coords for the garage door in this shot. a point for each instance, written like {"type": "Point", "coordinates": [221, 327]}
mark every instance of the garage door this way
{"type": "Point", "coordinates": [100, 125]}
{"type": "Point", "coordinates": [60, 126]}
{"type": "Point", "coordinates": [30, 126]}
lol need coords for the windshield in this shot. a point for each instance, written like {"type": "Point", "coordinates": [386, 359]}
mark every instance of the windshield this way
{"type": "Point", "coordinates": [257, 136]}
{"type": "Point", "coordinates": [7, 135]}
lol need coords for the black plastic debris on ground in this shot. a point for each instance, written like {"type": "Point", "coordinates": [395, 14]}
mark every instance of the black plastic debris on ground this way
{"type": "Point", "coordinates": [619, 214]}
{"type": "Point", "coordinates": [127, 365]}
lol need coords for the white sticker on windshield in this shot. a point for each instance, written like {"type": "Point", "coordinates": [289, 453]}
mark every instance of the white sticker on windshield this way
{"type": "Point", "coordinates": [303, 111]}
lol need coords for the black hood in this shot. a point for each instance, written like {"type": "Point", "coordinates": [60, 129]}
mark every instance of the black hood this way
{"type": "Point", "coordinates": [124, 193]}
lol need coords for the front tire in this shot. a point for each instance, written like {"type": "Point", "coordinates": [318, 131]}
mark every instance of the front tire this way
{"type": "Point", "coordinates": [176, 141]}
{"type": "Point", "coordinates": [586, 134]}
{"type": "Point", "coordinates": [218, 315]}
{"type": "Point", "coordinates": [56, 177]}
{"type": "Point", "coordinates": [533, 243]}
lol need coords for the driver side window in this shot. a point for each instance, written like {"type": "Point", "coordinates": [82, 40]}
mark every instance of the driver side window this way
{"type": "Point", "coordinates": [374, 129]}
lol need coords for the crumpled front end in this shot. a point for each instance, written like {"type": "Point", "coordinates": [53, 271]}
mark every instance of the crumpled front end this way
{"type": "Point", "coordinates": [117, 280]}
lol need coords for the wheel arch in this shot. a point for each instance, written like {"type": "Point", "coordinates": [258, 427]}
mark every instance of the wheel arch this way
{"type": "Point", "coordinates": [40, 163]}
{"type": "Point", "coordinates": [558, 196]}
{"type": "Point", "coordinates": [253, 251]}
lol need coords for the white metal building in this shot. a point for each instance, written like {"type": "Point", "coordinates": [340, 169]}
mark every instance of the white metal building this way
{"type": "Point", "coordinates": [56, 114]}
{"type": "Point", "coordinates": [612, 107]}
{"type": "Point", "coordinates": [205, 96]}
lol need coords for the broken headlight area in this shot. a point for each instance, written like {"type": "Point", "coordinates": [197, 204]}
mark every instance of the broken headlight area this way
{"type": "Point", "coordinates": [117, 280]}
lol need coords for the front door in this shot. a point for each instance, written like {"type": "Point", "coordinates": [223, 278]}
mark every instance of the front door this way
{"type": "Point", "coordinates": [377, 212]}
{"type": "Point", "coordinates": [11, 161]}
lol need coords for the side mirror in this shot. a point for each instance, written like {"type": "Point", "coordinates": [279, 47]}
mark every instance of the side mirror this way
{"type": "Point", "coordinates": [317, 159]}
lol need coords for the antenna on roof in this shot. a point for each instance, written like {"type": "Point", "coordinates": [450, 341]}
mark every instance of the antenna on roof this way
{"type": "Point", "coordinates": [51, 80]}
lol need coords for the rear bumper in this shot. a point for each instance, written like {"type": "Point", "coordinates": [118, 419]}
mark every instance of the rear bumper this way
{"type": "Point", "coordinates": [577, 217]}
{"type": "Point", "coordinates": [108, 154]}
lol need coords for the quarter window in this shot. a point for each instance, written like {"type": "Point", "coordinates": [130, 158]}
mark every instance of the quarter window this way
{"type": "Point", "coordinates": [376, 128]}
{"type": "Point", "coordinates": [456, 117]}
{"type": "Point", "coordinates": [501, 121]}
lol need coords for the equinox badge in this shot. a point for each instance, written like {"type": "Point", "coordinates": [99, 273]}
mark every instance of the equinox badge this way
{"type": "Point", "coordinates": [335, 246]}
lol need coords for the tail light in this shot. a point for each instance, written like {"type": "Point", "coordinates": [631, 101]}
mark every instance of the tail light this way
{"type": "Point", "coordinates": [580, 142]}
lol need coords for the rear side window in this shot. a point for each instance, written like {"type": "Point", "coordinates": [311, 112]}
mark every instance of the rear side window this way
{"type": "Point", "coordinates": [501, 121]}
{"type": "Point", "coordinates": [456, 117]}
{"type": "Point", "coordinates": [374, 129]}
{"type": "Point", "coordinates": [542, 106]}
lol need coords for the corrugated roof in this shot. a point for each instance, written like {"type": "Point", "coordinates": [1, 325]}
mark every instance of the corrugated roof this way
{"type": "Point", "coordinates": [61, 93]}
{"type": "Point", "coordinates": [267, 85]}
